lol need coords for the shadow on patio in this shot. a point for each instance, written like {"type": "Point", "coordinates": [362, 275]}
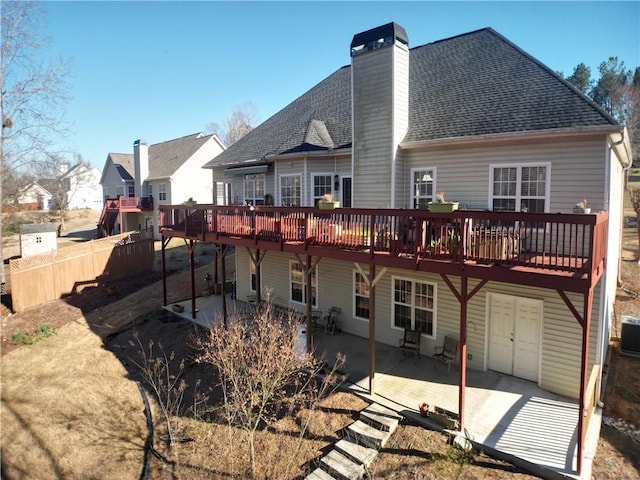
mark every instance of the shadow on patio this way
{"type": "Point", "coordinates": [508, 417]}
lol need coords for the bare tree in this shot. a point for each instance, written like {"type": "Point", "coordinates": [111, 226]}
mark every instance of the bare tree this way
{"type": "Point", "coordinates": [238, 123]}
{"type": "Point", "coordinates": [263, 368]}
{"type": "Point", "coordinates": [32, 96]}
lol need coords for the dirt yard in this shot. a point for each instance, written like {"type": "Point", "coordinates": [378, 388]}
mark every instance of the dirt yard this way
{"type": "Point", "coordinates": [71, 407]}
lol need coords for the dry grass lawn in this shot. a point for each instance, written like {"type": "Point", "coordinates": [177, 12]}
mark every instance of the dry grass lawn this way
{"type": "Point", "coordinates": [70, 408]}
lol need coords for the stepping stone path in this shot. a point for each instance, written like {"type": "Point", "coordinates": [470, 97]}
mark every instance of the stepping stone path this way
{"type": "Point", "coordinates": [354, 453]}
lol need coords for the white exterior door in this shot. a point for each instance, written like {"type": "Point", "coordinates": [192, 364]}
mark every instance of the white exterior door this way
{"type": "Point", "coordinates": [514, 335]}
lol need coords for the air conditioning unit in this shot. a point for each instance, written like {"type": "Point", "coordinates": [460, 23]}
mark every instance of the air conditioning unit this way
{"type": "Point", "coordinates": [630, 336]}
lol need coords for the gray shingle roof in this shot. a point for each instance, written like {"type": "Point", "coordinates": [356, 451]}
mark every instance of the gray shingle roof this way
{"type": "Point", "coordinates": [124, 164]}
{"type": "Point", "coordinates": [474, 84]}
{"type": "Point", "coordinates": [166, 157]}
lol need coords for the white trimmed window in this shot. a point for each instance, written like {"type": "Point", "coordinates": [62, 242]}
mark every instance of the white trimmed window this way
{"type": "Point", "coordinates": [360, 296]}
{"type": "Point", "coordinates": [291, 190]}
{"type": "Point", "coordinates": [322, 185]}
{"type": "Point", "coordinates": [254, 188]}
{"type": "Point", "coordinates": [423, 187]}
{"type": "Point", "coordinates": [162, 191]}
{"type": "Point", "coordinates": [120, 191]}
{"type": "Point", "coordinates": [516, 188]}
{"type": "Point", "coordinates": [414, 305]}
{"type": "Point", "coordinates": [297, 283]}
{"type": "Point", "coordinates": [132, 191]}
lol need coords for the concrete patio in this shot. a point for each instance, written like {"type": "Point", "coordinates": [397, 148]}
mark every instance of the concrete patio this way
{"type": "Point", "coordinates": [505, 416]}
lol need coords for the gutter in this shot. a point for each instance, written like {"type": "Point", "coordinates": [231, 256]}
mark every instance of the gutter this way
{"type": "Point", "coordinates": [513, 136]}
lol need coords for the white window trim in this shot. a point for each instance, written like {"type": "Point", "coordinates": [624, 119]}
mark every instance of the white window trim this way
{"type": "Point", "coordinates": [244, 186]}
{"type": "Point", "coordinates": [313, 185]}
{"type": "Point", "coordinates": [301, 186]}
{"type": "Point", "coordinates": [547, 193]}
{"type": "Point", "coordinates": [412, 197]}
{"type": "Point", "coordinates": [162, 190]}
{"type": "Point", "coordinates": [304, 288]}
{"type": "Point", "coordinates": [435, 304]}
{"type": "Point", "coordinates": [353, 277]}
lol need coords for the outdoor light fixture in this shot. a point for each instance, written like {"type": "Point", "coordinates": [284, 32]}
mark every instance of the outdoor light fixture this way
{"type": "Point", "coordinates": [336, 182]}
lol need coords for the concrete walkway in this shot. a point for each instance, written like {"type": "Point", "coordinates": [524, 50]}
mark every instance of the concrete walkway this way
{"type": "Point", "coordinates": [521, 422]}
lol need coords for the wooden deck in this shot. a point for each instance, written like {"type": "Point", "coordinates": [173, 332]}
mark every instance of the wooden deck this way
{"type": "Point", "coordinates": [564, 251]}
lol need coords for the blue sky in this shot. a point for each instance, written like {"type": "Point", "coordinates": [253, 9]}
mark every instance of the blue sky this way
{"type": "Point", "coordinates": [162, 70]}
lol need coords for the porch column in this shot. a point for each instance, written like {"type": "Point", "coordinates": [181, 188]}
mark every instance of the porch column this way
{"type": "Point", "coordinates": [372, 327]}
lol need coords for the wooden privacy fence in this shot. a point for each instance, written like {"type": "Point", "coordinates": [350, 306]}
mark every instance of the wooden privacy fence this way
{"type": "Point", "coordinates": [48, 276]}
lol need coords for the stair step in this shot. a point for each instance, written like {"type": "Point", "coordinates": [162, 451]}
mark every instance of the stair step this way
{"type": "Point", "coordinates": [358, 453]}
{"type": "Point", "coordinates": [341, 467]}
{"type": "Point", "coordinates": [380, 417]}
{"type": "Point", "coordinates": [363, 433]}
{"type": "Point", "coordinates": [319, 474]}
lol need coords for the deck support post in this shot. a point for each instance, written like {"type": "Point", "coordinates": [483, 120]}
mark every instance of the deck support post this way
{"type": "Point", "coordinates": [164, 242]}
{"type": "Point", "coordinates": [585, 322]}
{"type": "Point", "coordinates": [191, 246]}
{"type": "Point", "coordinates": [223, 271]}
{"type": "Point", "coordinates": [463, 297]}
{"type": "Point", "coordinates": [308, 271]}
{"type": "Point", "coordinates": [372, 328]}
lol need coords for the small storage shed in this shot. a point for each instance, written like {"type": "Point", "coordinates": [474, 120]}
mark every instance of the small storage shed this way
{"type": "Point", "coordinates": [37, 238]}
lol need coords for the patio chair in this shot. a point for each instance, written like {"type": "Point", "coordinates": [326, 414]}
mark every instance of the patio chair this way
{"type": "Point", "coordinates": [330, 324]}
{"type": "Point", "coordinates": [447, 353]}
{"type": "Point", "coordinates": [410, 342]}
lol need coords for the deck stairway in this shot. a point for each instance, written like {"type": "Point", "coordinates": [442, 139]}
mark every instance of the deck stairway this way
{"type": "Point", "coordinates": [350, 457]}
{"type": "Point", "coordinates": [108, 217]}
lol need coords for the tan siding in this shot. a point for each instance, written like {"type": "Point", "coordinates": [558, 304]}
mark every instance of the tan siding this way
{"type": "Point", "coordinates": [372, 73]}
{"type": "Point", "coordinates": [566, 158]}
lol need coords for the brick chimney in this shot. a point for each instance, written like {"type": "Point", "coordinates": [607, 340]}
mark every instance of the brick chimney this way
{"type": "Point", "coordinates": [140, 165]}
{"type": "Point", "coordinates": [380, 105]}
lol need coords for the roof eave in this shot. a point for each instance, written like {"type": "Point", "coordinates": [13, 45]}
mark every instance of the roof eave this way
{"type": "Point", "coordinates": [514, 136]}
{"type": "Point", "coordinates": [314, 153]}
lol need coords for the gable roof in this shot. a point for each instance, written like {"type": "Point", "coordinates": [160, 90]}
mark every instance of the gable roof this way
{"type": "Point", "coordinates": [123, 163]}
{"type": "Point", "coordinates": [473, 84]}
{"type": "Point", "coordinates": [167, 157]}
{"type": "Point", "coordinates": [164, 158]}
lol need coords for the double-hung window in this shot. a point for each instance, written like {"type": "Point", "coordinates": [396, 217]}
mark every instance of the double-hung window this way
{"type": "Point", "coordinates": [254, 188]}
{"type": "Point", "coordinates": [162, 191]}
{"type": "Point", "coordinates": [414, 305]}
{"type": "Point", "coordinates": [298, 284]}
{"type": "Point", "coordinates": [322, 185]}
{"type": "Point", "coordinates": [361, 296]}
{"type": "Point", "coordinates": [516, 188]}
{"type": "Point", "coordinates": [291, 190]}
{"type": "Point", "coordinates": [423, 187]}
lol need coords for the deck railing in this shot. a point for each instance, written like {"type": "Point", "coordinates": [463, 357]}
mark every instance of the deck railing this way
{"type": "Point", "coordinates": [567, 242]}
{"type": "Point", "coordinates": [142, 203]}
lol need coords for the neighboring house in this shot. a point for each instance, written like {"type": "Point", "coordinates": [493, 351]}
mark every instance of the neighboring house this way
{"type": "Point", "coordinates": [76, 187]}
{"type": "Point", "coordinates": [37, 238]}
{"type": "Point", "coordinates": [34, 197]}
{"type": "Point", "coordinates": [515, 276]}
{"type": "Point", "coordinates": [80, 186]}
{"type": "Point", "coordinates": [134, 185]}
